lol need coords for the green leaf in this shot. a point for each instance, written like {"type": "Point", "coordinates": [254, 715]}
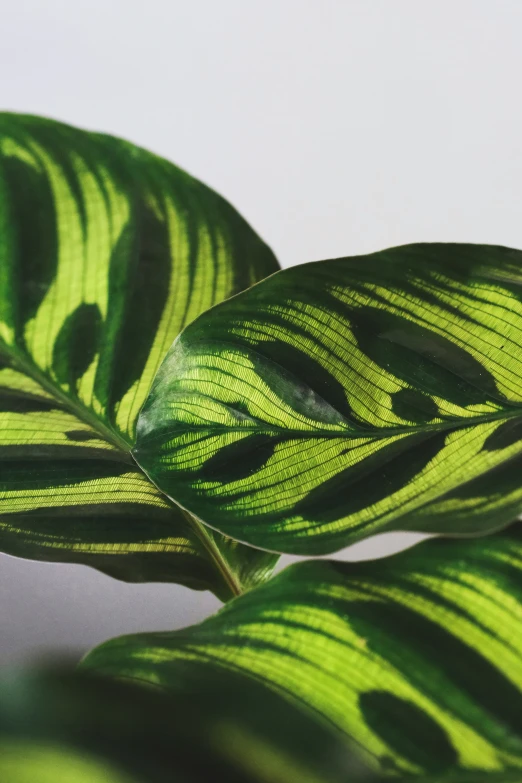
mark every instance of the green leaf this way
{"type": "Point", "coordinates": [30, 763]}
{"type": "Point", "coordinates": [345, 398]}
{"type": "Point", "coordinates": [417, 658]}
{"type": "Point", "coordinates": [224, 727]}
{"type": "Point", "coordinates": [106, 253]}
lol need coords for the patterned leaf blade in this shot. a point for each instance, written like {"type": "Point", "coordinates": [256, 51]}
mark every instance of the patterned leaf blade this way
{"type": "Point", "coordinates": [106, 253]}
{"type": "Point", "coordinates": [418, 657]}
{"type": "Point", "coordinates": [344, 398]}
{"type": "Point", "coordinates": [221, 727]}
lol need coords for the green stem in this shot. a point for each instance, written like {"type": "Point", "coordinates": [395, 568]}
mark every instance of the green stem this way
{"type": "Point", "coordinates": [205, 537]}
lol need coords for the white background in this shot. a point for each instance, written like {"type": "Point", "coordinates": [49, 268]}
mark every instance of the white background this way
{"type": "Point", "coordinates": [335, 126]}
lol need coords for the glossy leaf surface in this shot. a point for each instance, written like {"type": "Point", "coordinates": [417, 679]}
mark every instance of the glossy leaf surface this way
{"type": "Point", "coordinates": [220, 727]}
{"type": "Point", "coordinates": [106, 252]}
{"type": "Point", "coordinates": [344, 398]}
{"type": "Point", "coordinates": [417, 657]}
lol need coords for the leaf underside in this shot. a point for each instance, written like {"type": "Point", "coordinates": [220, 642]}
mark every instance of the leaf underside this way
{"type": "Point", "coordinates": [106, 253]}
{"type": "Point", "coordinates": [417, 658]}
{"type": "Point", "coordinates": [345, 398]}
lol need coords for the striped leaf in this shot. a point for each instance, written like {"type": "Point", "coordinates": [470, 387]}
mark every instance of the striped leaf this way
{"type": "Point", "coordinates": [344, 398]}
{"type": "Point", "coordinates": [106, 253]}
{"type": "Point", "coordinates": [418, 657]}
{"type": "Point", "coordinates": [222, 728]}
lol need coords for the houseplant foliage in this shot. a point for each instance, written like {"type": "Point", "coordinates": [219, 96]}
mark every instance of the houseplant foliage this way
{"type": "Point", "coordinates": [159, 425]}
{"type": "Point", "coordinates": [228, 728]}
{"type": "Point", "coordinates": [417, 657]}
{"type": "Point", "coordinates": [348, 397]}
{"type": "Point", "coordinates": [107, 252]}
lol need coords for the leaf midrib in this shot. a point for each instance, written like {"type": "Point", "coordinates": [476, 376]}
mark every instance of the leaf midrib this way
{"type": "Point", "coordinates": [350, 434]}
{"type": "Point", "coordinates": [21, 363]}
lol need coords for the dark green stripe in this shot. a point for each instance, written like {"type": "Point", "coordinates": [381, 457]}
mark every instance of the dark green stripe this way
{"type": "Point", "coordinates": [77, 344]}
{"type": "Point", "coordinates": [33, 221]}
{"type": "Point", "coordinates": [147, 290]}
{"type": "Point", "coordinates": [19, 403]}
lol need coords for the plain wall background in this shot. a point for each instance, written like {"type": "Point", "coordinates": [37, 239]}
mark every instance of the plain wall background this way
{"type": "Point", "coordinates": [335, 126]}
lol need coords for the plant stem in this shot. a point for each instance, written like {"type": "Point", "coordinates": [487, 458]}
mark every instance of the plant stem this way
{"type": "Point", "coordinates": [207, 540]}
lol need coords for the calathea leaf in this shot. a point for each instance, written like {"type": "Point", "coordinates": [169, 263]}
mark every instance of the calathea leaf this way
{"type": "Point", "coordinates": [222, 727]}
{"type": "Point", "coordinates": [418, 657]}
{"type": "Point", "coordinates": [106, 252]}
{"type": "Point", "coordinates": [344, 398]}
